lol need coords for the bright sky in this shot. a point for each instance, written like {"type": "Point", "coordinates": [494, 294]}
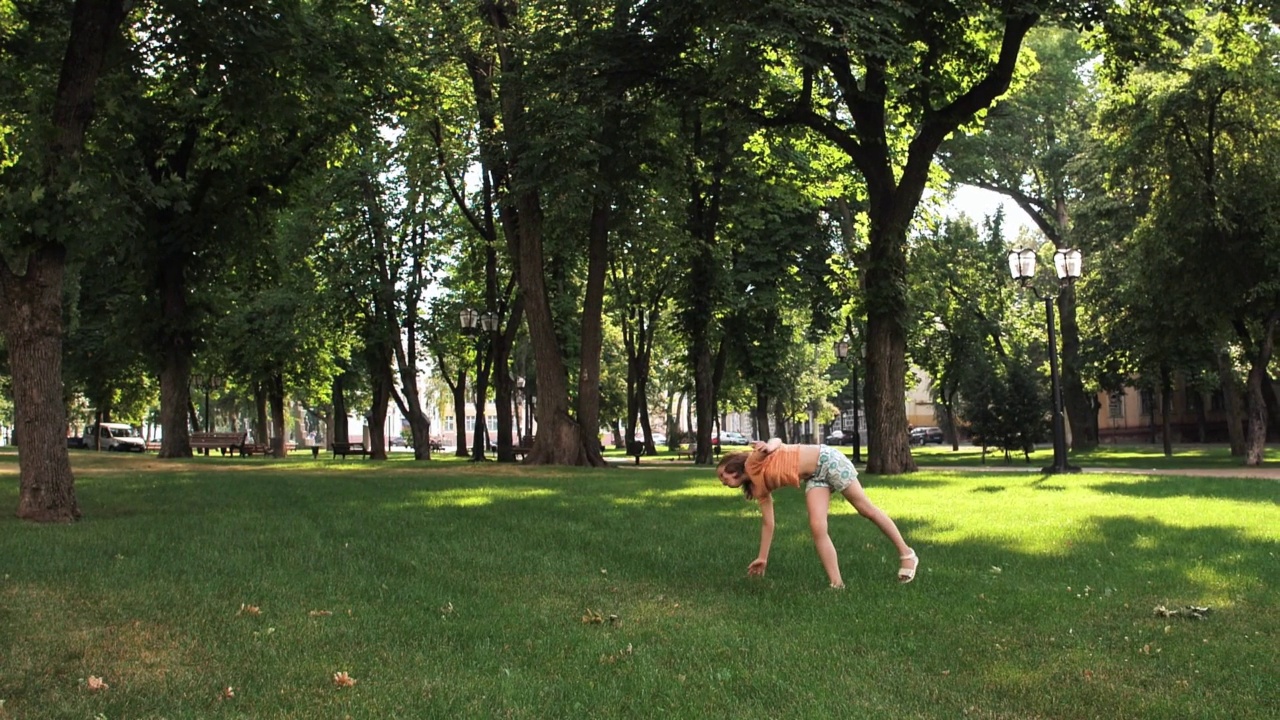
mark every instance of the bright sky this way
{"type": "Point", "coordinates": [978, 204]}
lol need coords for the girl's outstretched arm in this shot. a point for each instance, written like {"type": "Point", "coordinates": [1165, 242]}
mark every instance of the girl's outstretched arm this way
{"type": "Point", "coordinates": [758, 565]}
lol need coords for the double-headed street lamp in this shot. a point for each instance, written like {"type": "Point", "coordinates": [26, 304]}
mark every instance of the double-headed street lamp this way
{"type": "Point", "coordinates": [483, 324]}
{"type": "Point", "coordinates": [1066, 263]}
{"type": "Point", "coordinates": [474, 321]}
{"type": "Point", "coordinates": [842, 352]}
{"type": "Point", "coordinates": [206, 383]}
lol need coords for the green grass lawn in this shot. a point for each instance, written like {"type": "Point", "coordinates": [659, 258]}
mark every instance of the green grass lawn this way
{"type": "Point", "coordinates": [452, 590]}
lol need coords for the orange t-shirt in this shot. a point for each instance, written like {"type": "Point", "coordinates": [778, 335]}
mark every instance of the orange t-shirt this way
{"type": "Point", "coordinates": [768, 472]}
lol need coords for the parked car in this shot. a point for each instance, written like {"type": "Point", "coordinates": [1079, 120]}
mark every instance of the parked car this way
{"type": "Point", "coordinates": [926, 435]}
{"type": "Point", "coordinates": [659, 440]}
{"type": "Point", "coordinates": [730, 437]}
{"type": "Point", "coordinates": [114, 436]}
{"type": "Point", "coordinates": [838, 437]}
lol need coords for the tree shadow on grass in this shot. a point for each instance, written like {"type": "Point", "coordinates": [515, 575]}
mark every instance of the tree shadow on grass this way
{"type": "Point", "coordinates": [1170, 486]}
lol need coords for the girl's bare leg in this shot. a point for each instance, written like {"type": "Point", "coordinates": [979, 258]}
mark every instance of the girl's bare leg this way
{"type": "Point", "coordinates": [818, 500]}
{"type": "Point", "coordinates": [857, 497]}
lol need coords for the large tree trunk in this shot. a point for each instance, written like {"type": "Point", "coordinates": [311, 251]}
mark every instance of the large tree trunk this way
{"type": "Point", "coordinates": [1256, 440]}
{"type": "Point", "coordinates": [888, 443]}
{"type": "Point", "coordinates": [1166, 410]}
{"type": "Point", "coordinates": [377, 418]}
{"type": "Point", "coordinates": [261, 433]}
{"type": "Point", "coordinates": [275, 396]}
{"type": "Point", "coordinates": [559, 439]}
{"type": "Point", "coordinates": [175, 355]}
{"type": "Point", "coordinates": [779, 420]}
{"type": "Point", "coordinates": [32, 324]}
{"type": "Point", "coordinates": [32, 296]}
{"type": "Point", "coordinates": [760, 416]}
{"type": "Point", "coordinates": [502, 385]}
{"type": "Point", "coordinates": [593, 335]}
{"type": "Point", "coordinates": [1232, 404]}
{"type": "Point", "coordinates": [338, 428]}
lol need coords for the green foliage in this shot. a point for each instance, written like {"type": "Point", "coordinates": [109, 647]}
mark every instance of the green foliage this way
{"type": "Point", "coordinates": [1188, 184]}
{"type": "Point", "coordinates": [1005, 403]}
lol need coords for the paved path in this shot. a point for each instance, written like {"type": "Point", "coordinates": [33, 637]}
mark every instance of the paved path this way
{"type": "Point", "coordinates": [1266, 472]}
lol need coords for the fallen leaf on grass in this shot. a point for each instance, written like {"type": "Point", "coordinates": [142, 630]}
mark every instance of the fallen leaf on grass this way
{"type": "Point", "coordinates": [342, 679]}
{"type": "Point", "coordinates": [319, 613]}
{"type": "Point", "coordinates": [249, 610]}
{"type": "Point", "coordinates": [95, 683]}
{"type": "Point", "coordinates": [226, 693]}
{"type": "Point", "coordinates": [592, 617]}
{"type": "Point", "coordinates": [618, 656]}
{"type": "Point", "coordinates": [1191, 612]}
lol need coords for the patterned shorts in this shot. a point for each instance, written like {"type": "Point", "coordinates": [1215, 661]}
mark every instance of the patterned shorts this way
{"type": "Point", "coordinates": [835, 472]}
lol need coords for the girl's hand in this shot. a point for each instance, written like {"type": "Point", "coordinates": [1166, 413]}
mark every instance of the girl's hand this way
{"type": "Point", "coordinates": [759, 445]}
{"type": "Point", "coordinates": [757, 567]}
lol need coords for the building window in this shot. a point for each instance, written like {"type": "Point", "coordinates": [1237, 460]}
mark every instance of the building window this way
{"type": "Point", "coordinates": [471, 423]}
{"type": "Point", "coordinates": [1148, 403]}
{"type": "Point", "coordinates": [1115, 403]}
{"type": "Point", "coordinates": [491, 422]}
{"type": "Point", "coordinates": [448, 424]}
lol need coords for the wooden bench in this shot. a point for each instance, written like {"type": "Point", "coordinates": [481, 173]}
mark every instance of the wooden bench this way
{"type": "Point", "coordinates": [224, 442]}
{"type": "Point", "coordinates": [251, 449]}
{"type": "Point", "coordinates": [686, 451]}
{"type": "Point", "coordinates": [348, 448]}
{"type": "Point", "coordinates": [521, 451]}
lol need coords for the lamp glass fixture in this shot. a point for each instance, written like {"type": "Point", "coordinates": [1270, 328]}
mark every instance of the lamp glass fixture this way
{"type": "Point", "coordinates": [1067, 263]}
{"type": "Point", "coordinates": [468, 318]}
{"type": "Point", "coordinates": [1022, 264]}
{"type": "Point", "coordinates": [842, 349]}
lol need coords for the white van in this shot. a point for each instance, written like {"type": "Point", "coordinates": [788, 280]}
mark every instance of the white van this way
{"type": "Point", "coordinates": [114, 436]}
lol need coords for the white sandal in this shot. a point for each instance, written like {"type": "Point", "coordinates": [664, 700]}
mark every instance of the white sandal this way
{"type": "Point", "coordinates": [906, 575]}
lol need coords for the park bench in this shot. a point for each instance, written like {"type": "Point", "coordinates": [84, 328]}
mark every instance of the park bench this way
{"type": "Point", "coordinates": [687, 451]}
{"type": "Point", "coordinates": [348, 448]}
{"type": "Point", "coordinates": [251, 449]}
{"type": "Point", "coordinates": [224, 442]}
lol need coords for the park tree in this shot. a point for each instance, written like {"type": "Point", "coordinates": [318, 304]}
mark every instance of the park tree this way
{"type": "Point", "coordinates": [959, 298]}
{"type": "Point", "coordinates": [232, 102]}
{"type": "Point", "coordinates": [887, 83]}
{"type": "Point", "coordinates": [554, 89]}
{"type": "Point", "coordinates": [1200, 128]}
{"type": "Point", "coordinates": [54, 56]}
{"type": "Point", "coordinates": [1024, 151]}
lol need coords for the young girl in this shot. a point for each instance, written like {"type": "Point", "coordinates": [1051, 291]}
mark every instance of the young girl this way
{"type": "Point", "coordinates": [824, 470]}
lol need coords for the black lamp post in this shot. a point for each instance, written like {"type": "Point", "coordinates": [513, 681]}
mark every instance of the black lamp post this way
{"type": "Point", "coordinates": [206, 383]}
{"type": "Point", "coordinates": [517, 412]}
{"type": "Point", "coordinates": [1066, 263]}
{"type": "Point", "coordinates": [842, 352]}
{"type": "Point", "coordinates": [483, 325]}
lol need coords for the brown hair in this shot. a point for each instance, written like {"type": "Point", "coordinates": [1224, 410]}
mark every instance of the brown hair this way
{"type": "Point", "coordinates": [735, 463]}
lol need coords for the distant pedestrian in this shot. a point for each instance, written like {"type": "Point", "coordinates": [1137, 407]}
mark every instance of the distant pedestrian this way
{"type": "Point", "coordinates": [824, 471]}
